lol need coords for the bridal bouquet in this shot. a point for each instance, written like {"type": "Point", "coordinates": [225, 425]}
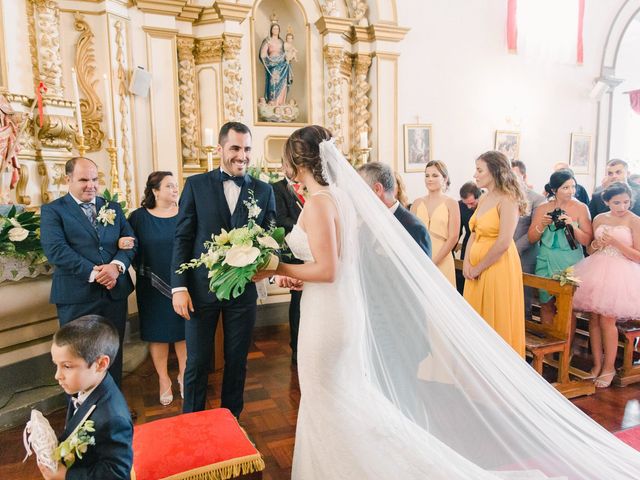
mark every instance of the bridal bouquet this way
{"type": "Point", "coordinates": [234, 257]}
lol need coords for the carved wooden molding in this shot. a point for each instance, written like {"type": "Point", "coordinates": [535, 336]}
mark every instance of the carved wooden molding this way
{"type": "Point", "coordinates": [208, 50]}
{"type": "Point", "coordinates": [47, 33]}
{"type": "Point", "coordinates": [123, 107]}
{"type": "Point", "coordinates": [333, 57]}
{"type": "Point", "coordinates": [360, 99]}
{"type": "Point", "coordinates": [232, 78]}
{"type": "Point", "coordinates": [188, 99]}
{"type": "Point", "coordinates": [57, 131]}
{"type": "Point", "coordinates": [91, 107]}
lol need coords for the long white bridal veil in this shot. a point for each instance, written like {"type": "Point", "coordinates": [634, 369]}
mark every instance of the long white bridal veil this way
{"type": "Point", "coordinates": [437, 361]}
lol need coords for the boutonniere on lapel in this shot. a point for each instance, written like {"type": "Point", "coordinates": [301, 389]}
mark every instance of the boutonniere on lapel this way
{"type": "Point", "coordinates": [106, 216]}
{"type": "Point", "coordinates": [76, 445]}
{"type": "Point", "coordinates": [252, 206]}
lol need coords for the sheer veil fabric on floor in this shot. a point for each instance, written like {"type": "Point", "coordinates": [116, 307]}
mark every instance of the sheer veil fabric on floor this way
{"type": "Point", "coordinates": [400, 377]}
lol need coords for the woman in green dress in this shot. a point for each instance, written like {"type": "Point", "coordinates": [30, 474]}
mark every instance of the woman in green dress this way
{"type": "Point", "coordinates": [562, 225]}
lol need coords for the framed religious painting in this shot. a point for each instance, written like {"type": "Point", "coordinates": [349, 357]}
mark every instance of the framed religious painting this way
{"type": "Point", "coordinates": [418, 146]}
{"type": "Point", "coordinates": [580, 154]}
{"type": "Point", "coordinates": [508, 142]}
{"type": "Point", "coordinates": [281, 66]}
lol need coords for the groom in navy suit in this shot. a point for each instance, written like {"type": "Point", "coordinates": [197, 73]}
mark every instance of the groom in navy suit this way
{"type": "Point", "coordinates": [80, 239]}
{"type": "Point", "coordinates": [209, 203]}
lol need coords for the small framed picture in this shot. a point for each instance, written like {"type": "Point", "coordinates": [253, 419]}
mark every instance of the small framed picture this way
{"type": "Point", "coordinates": [508, 142]}
{"type": "Point", "coordinates": [418, 147]}
{"type": "Point", "coordinates": [580, 156]}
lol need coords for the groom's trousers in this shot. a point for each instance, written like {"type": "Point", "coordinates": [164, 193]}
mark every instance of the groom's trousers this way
{"type": "Point", "coordinates": [238, 320]}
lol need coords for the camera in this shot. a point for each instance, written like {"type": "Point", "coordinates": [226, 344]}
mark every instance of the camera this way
{"type": "Point", "coordinates": [562, 225]}
{"type": "Point", "coordinates": [555, 217]}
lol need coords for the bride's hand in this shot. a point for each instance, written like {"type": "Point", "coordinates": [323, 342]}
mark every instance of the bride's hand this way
{"type": "Point", "coordinates": [261, 274]}
{"type": "Point", "coordinates": [288, 282]}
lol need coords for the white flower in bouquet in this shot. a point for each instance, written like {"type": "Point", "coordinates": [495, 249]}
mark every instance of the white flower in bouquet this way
{"type": "Point", "coordinates": [268, 241]}
{"type": "Point", "coordinates": [210, 258]}
{"type": "Point", "coordinates": [15, 223]}
{"type": "Point", "coordinates": [221, 239]}
{"type": "Point", "coordinates": [18, 234]}
{"type": "Point", "coordinates": [254, 211]}
{"type": "Point", "coordinates": [241, 236]}
{"type": "Point", "coordinates": [241, 256]}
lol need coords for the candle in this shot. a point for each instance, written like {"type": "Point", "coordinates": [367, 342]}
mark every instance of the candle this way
{"type": "Point", "coordinates": [107, 107]}
{"type": "Point", "coordinates": [76, 96]}
{"type": "Point", "coordinates": [208, 137]}
{"type": "Point", "coordinates": [364, 140]}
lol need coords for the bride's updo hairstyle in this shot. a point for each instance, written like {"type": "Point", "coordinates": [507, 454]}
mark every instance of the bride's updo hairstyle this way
{"type": "Point", "coordinates": [504, 178]}
{"type": "Point", "coordinates": [302, 150]}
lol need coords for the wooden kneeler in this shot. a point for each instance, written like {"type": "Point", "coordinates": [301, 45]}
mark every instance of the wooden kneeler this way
{"type": "Point", "coordinates": [207, 445]}
{"type": "Point", "coordinates": [629, 373]}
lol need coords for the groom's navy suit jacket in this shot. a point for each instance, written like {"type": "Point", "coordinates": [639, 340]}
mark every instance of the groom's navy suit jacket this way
{"type": "Point", "coordinates": [112, 455]}
{"type": "Point", "coordinates": [204, 211]}
{"type": "Point", "coordinates": [74, 247]}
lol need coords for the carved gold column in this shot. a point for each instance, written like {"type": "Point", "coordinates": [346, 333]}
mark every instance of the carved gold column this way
{"type": "Point", "coordinates": [188, 100]}
{"type": "Point", "coordinates": [46, 30]}
{"type": "Point", "coordinates": [208, 50]}
{"type": "Point", "coordinates": [361, 100]}
{"type": "Point", "coordinates": [85, 64]}
{"type": "Point", "coordinates": [334, 108]}
{"type": "Point", "coordinates": [232, 77]}
{"type": "Point", "coordinates": [123, 108]}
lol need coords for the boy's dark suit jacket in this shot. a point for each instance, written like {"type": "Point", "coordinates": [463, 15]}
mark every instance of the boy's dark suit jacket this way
{"type": "Point", "coordinates": [74, 247]}
{"type": "Point", "coordinates": [415, 227]}
{"type": "Point", "coordinates": [112, 455]}
{"type": "Point", "coordinates": [204, 211]}
{"type": "Point", "coordinates": [288, 205]}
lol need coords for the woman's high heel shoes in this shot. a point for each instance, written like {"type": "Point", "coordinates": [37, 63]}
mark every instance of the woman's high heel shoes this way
{"type": "Point", "coordinates": [167, 397]}
{"type": "Point", "coordinates": [180, 382]}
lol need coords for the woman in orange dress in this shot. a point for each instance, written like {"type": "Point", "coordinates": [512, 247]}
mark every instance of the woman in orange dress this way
{"type": "Point", "coordinates": [441, 215]}
{"type": "Point", "coordinates": [492, 270]}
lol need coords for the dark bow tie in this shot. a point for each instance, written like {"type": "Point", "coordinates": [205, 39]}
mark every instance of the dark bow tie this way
{"type": "Point", "coordinates": [237, 180]}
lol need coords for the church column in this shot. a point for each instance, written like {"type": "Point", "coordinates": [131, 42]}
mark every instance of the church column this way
{"type": "Point", "coordinates": [188, 100]}
{"type": "Point", "coordinates": [232, 77]}
{"type": "Point", "coordinates": [45, 48]}
{"type": "Point", "coordinates": [361, 101]}
{"type": "Point", "coordinates": [333, 56]}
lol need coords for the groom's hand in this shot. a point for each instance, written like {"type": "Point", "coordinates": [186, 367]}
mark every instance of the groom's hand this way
{"type": "Point", "coordinates": [182, 304]}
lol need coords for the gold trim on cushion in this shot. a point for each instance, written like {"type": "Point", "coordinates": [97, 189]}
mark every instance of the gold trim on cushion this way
{"type": "Point", "coordinates": [220, 471]}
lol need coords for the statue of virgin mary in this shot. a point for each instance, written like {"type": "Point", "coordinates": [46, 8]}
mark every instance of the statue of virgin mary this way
{"type": "Point", "coordinates": [278, 72]}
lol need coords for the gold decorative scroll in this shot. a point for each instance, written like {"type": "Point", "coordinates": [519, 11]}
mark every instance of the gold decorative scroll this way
{"type": "Point", "coordinates": [47, 34]}
{"type": "Point", "coordinates": [21, 187]}
{"type": "Point", "coordinates": [57, 131]}
{"type": "Point", "coordinates": [232, 78]}
{"type": "Point", "coordinates": [91, 107]}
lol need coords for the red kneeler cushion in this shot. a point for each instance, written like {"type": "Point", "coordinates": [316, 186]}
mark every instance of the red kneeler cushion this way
{"type": "Point", "coordinates": [201, 445]}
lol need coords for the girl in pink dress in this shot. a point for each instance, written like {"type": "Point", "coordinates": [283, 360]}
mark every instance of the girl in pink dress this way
{"type": "Point", "coordinates": [610, 279]}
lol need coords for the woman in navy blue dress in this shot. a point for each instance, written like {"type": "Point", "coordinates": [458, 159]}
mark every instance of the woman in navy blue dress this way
{"type": "Point", "coordinates": [154, 225]}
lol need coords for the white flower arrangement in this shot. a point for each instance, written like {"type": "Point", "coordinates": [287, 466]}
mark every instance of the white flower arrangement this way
{"type": "Point", "coordinates": [76, 445]}
{"type": "Point", "coordinates": [106, 216]}
{"type": "Point", "coordinates": [234, 257]}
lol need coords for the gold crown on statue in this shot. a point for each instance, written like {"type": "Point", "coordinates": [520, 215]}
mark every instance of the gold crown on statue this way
{"type": "Point", "coordinates": [289, 30]}
{"type": "Point", "coordinates": [274, 18]}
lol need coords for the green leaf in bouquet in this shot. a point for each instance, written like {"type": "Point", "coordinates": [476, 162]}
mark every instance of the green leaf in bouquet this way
{"type": "Point", "coordinates": [278, 234]}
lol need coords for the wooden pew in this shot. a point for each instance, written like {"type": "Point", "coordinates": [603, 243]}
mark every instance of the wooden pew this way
{"type": "Point", "coordinates": [542, 340]}
{"type": "Point", "coordinates": [628, 373]}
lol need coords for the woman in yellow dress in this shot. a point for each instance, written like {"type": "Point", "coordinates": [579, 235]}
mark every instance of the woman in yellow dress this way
{"type": "Point", "coordinates": [492, 270]}
{"type": "Point", "coordinates": [441, 215]}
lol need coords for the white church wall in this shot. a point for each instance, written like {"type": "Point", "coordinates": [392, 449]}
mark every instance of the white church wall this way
{"type": "Point", "coordinates": [456, 74]}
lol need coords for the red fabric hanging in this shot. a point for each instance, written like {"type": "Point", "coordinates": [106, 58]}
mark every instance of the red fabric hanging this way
{"type": "Point", "coordinates": [580, 46]}
{"type": "Point", "coordinates": [634, 99]}
{"type": "Point", "coordinates": [41, 88]}
{"type": "Point", "coordinates": [512, 26]}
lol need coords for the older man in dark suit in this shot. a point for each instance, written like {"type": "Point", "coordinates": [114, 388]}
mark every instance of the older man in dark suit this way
{"type": "Point", "coordinates": [211, 202]}
{"type": "Point", "coordinates": [79, 234]}
{"type": "Point", "coordinates": [380, 178]}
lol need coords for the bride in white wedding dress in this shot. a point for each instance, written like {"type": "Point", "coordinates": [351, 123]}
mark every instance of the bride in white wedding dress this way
{"type": "Point", "coordinates": [400, 378]}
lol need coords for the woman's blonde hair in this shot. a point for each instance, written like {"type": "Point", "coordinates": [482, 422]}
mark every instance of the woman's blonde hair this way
{"type": "Point", "coordinates": [504, 178]}
{"type": "Point", "coordinates": [401, 190]}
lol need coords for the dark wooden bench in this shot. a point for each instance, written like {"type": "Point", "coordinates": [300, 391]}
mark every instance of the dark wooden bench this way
{"type": "Point", "coordinates": [628, 373]}
{"type": "Point", "coordinates": [544, 340]}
